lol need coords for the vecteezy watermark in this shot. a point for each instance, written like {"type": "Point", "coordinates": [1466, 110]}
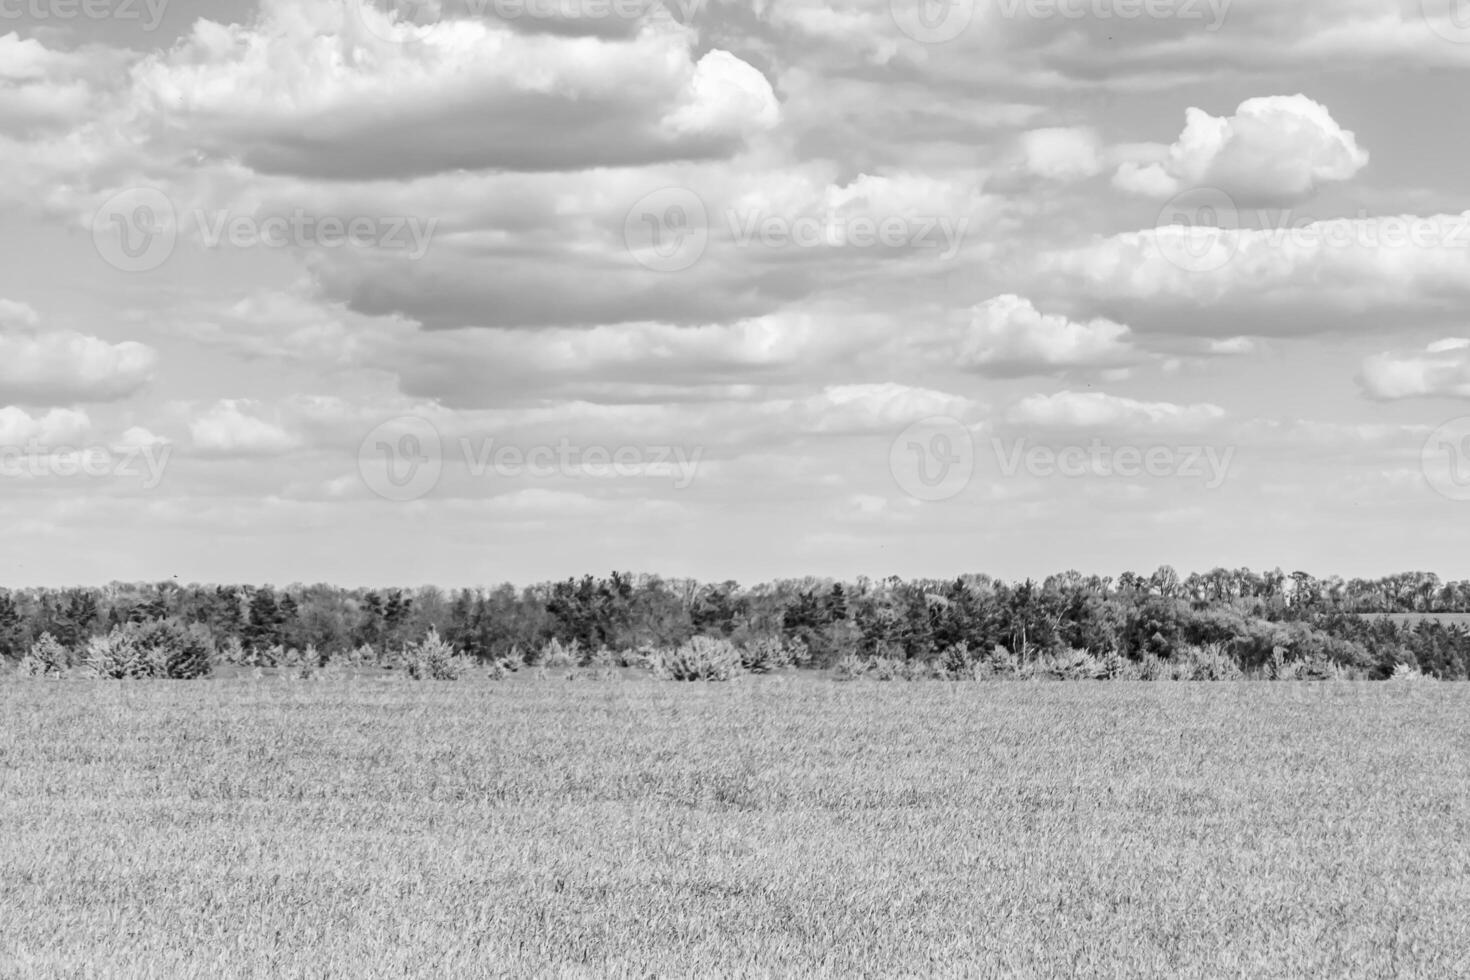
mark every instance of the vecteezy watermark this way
{"type": "Point", "coordinates": [147, 13]}
{"type": "Point", "coordinates": [1209, 12]}
{"type": "Point", "coordinates": [38, 460]}
{"type": "Point", "coordinates": [407, 21]}
{"type": "Point", "coordinates": [933, 459]}
{"type": "Point", "coordinates": [1450, 19]}
{"type": "Point", "coordinates": [1445, 459]}
{"type": "Point", "coordinates": [403, 459]}
{"type": "Point", "coordinates": [940, 21]}
{"type": "Point", "coordinates": [836, 230]}
{"type": "Point", "coordinates": [1201, 230]}
{"type": "Point", "coordinates": [138, 230]}
{"type": "Point", "coordinates": [932, 21]}
{"type": "Point", "coordinates": [1210, 464]}
{"type": "Point", "coordinates": [669, 230]}
{"type": "Point", "coordinates": [1196, 230]}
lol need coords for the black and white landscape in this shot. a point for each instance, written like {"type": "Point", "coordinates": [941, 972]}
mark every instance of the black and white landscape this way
{"type": "Point", "coordinates": [734, 487]}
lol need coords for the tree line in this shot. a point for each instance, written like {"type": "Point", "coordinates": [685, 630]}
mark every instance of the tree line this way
{"type": "Point", "coordinates": [1253, 618]}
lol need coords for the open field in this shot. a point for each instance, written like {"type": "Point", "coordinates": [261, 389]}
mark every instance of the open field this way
{"type": "Point", "coordinates": [373, 827]}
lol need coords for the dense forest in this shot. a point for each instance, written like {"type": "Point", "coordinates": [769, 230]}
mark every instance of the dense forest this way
{"type": "Point", "coordinates": [1251, 618]}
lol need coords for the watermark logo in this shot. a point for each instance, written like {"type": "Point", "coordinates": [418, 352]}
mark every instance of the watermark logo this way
{"type": "Point", "coordinates": [932, 21]}
{"type": "Point", "coordinates": [667, 231]}
{"type": "Point", "coordinates": [36, 460]}
{"type": "Point", "coordinates": [933, 459]}
{"type": "Point", "coordinates": [1210, 12]}
{"type": "Point", "coordinates": [148, 14]}
{"type": "Point", "coordinates": [402, 459]}
{"type": "Point", "coordinates": [1201, 230]}
{"type": "Point", "coordinates": [139, 229]}
{"type": "Point", "coordinates": [415, 21]}
{"type": "Point", "coordinates": [1197, 230]}
{"type": "Point", "coordinates": [1450, 19]}
{"type": "Point", "coordinates": [941, 233]}
{"type": "Point", "coordinates": [1101, 459]}
{"type": "Point", "coordinates": [136, 230]}
{"type": "Point", "coordinates": [1445, 459]}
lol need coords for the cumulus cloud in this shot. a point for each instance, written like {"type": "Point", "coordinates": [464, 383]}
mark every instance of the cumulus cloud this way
{"type": "Point", "coordinates": [299, 93]}
{"type": "Point", "coordinates": [1440, 369]}
{"type": "Point", "coordinates": [60, 426]}
{"type": "Point", "coordinates": [234, 427]}
{"type": "Point", "coordinates": [1008, 335]}
{"type": "Point", "coordinates": [60, 367]}
{"type": "Point", "coordinates": [1276, 149]}
{"type": "Point", "coordinates": [1097, 410]}
{"type": "Point", "coordinates": [1062, 153]}
{"type": "Point", "coordinates": [1303, 279]}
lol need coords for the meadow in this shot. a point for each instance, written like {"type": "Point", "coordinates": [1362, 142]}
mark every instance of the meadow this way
{"type": "Point", "coordinates": [772, 826]}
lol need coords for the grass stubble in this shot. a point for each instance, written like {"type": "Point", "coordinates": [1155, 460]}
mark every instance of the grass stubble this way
{"type": "Point", "coordinates": [770, 827]}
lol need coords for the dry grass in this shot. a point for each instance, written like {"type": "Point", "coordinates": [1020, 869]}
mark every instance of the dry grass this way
{"type": "Point", "coordinates": [372, 827]}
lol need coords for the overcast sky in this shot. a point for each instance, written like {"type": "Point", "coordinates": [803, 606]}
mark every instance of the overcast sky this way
{"type": "Point", "coordinates": [302, 290]}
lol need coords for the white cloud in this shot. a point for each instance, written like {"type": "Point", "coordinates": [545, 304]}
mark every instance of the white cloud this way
{"type": "Point", "coordinates": [60, 426]}
{"type": "Point", "coordinates": [1274, 149]}
{"type": "Point", "coordinates": [1096, 410]}
{"type": "Point", "coordinates": [1008, 334]}
{"type": "Point", "coordinates": [233, 427]}
{"type": "Point", "coordinates": [1441, 369]}
{"type": "Point", "coordinates": [60, 367]}
{"type": "Point", "coordinates": [1063, 153]}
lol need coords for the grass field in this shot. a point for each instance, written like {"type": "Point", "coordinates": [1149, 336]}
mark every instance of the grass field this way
{"type": "Point", "coordinates": [270, 828]}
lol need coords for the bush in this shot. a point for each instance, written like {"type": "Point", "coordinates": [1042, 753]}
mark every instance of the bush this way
{"type": "Point", "coordinates": [850, 667]}
{"type": "Point", "coordinates": [1408, 673]}
{"type": "Point", "coordinates": [46, 658]}
{"type": "Point", "coordinates": [117, 655]}
{"type": "Point", "coordinates": [766, 655]}
{"type": "Point", "coordinates": [1075, 665]}
{"type": "Point", "coordinates": [160, 648]}
{"type": "Point", "coordinates": [435, 660]}
{"type": "Point", "coordinates": [555, 656]}
{"type": "Point", "coordinates": [1211, 663]}
{"type": "Point", "coordinates": [703, 658]}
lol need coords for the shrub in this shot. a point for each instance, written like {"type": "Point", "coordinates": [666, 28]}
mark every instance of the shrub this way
{"type": "Point", "coordinates": [1074, 665]}
{"type": "Point", "coordinates": [161, 648]}
{"type": "Point", "coordinates": [232, 651]}
{"type": "Point", "coordinates": [117, 655]}
{"type": "Point", "coordinates": [46, 658]}
{"type": "Point", "coordinates": [1408, 673]}
{"type": "Point", "coordinates": [850, 667]}
{"type": "Point", "coordinates": [190, 654]}
{"type": "Point", "coordinates": [703, 658]}
{"type": "Point", "coordinates": [1211, 663]}
{"type": "Point", "coordinates": [765, 655]}
{"type": "Point", "coordinates": [434, 659]}
{"type": "Point", "coordinates": [555, 656]}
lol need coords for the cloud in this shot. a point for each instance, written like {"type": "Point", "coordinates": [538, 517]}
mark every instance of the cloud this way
{"type": "Point", "coordinates": [1062, 153]}
{"type": "Point", "coordinates": [61, 367]}
{"type": "Point", "coordinates": [1096, 410]}
{"type": "Point", "coordinates": [1277, 149]}
{"type": "Point", "coordinates": [59, 426]}
{"type": "Point", "coordinates": [1442, 369]}
{"type": "Point", "coordinates": [1304, 278]}
{"type": "Point", "coordinates": [232, 427]}
{"type": "Point", "coordinates": [300, 92]}
{"type": "Point", "coordinates": [1008, 335]}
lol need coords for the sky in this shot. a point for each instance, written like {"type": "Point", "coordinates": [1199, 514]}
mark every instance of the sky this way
{"type": "Point", "coordinates": [476, 291]}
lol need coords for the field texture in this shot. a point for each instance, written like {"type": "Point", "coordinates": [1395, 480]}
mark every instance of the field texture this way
{"type": "Point", "coordinates": [375, 827]}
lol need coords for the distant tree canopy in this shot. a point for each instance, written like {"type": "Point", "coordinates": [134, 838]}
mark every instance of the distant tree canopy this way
{"type": "Point", "coordinates": [1252, 616]}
